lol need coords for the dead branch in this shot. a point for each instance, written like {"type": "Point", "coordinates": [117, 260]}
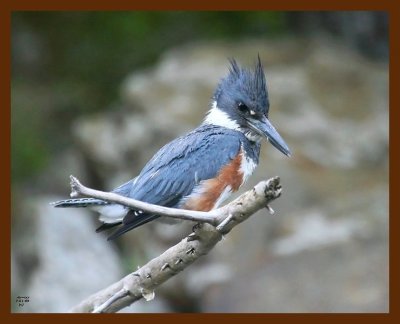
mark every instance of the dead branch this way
{"type": "Point", "coordinates": [78, 189]}
{"type": "Point", "coordinates": [143, 282]}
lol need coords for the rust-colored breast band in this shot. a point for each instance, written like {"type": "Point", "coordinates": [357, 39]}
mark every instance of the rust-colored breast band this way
{"type": "Point", "coordinates": [212, 189]}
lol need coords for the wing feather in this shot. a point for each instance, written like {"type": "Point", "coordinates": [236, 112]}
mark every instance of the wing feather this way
{"type": "Point", "coordinates": [177, 168]}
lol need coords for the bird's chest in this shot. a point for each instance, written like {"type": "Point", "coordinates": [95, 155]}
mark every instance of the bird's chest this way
{"type": "Point", "coordinates": [211, 193]}
{"type": "Point", "coordinates": [247, 167]}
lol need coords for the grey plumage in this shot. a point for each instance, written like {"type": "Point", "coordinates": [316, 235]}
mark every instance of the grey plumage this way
{"type": "Point", "coordinates": [235, 125]}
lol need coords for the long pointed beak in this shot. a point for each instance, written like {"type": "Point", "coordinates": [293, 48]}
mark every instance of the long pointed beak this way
{"type": "Point", "coordinates": [265, 128]}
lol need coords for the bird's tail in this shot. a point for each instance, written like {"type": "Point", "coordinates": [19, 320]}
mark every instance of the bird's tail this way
{"type": "Point", "coordinates": [79, 202]}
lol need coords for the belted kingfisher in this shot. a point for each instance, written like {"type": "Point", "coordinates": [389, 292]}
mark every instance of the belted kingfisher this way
{"type": "Point", "coordinates": [199, 170]}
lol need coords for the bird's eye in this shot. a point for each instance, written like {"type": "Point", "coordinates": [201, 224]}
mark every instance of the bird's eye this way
{"type": "Point", "coordinates": [243, 108]}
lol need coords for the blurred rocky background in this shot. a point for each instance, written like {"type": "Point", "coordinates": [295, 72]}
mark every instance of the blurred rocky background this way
{"type": "Point", "coordinates": [96, 94]}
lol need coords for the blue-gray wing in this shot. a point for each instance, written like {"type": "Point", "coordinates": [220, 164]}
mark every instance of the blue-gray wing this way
{"type": "Point", "coordinates": [177, 168]}
{"type": "Point", "coordinates": [180, 165]}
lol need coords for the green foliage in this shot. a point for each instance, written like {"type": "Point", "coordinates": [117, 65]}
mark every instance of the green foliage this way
{"type": "Point", "coordinates": [83, 56]}
{"type": "Point", "coordinates": [28, 145]}
{"type": "Point", "coordinates": [99, 48]}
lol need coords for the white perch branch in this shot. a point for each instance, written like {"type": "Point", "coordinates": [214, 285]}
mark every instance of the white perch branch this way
{"type": "Point", "coordinates": [144, 281]}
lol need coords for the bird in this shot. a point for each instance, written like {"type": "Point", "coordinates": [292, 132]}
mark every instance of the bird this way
{"type": "Point", "coordinates": [201, 169]}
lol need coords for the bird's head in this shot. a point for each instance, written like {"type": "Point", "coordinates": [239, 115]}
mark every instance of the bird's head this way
{"type": "Point", "coordinates": [241, 102]}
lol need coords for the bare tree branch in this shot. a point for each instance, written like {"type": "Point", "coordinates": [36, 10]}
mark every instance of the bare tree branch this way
{"type": "Point", "coordinates": [205, 217]}
{"type": "Point", "coordinates": [143, 282]}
